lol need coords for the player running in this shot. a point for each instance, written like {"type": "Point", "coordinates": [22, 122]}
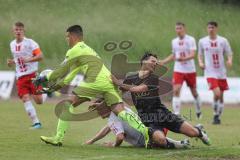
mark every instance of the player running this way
{"type": "Point", "coordinates": [124, 132]}
{"type": "Point", "coordinates": [212, 50]}
{"type": "Point", "coordinates": [183, 52]}
{"type": "Point", "coordinates": [26, 54]}
{"type": "Point", "coordinates": [80, 58]}
{"type": "Point", "coordinates": [144, 89]}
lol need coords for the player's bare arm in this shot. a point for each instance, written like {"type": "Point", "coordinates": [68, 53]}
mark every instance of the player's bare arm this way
{"type": "Point", "coordinates": [200, 61]}
{"type": "Point", "coordinates": [229, 61]}
{"type": "Point", "coordinates": [101, 134]}
{"type": "Point", "coordinates": [131, 88]}
{"type": "Point", "coordinates": [35, 58]}
{"type": "Point", "coordinates": [117, 143]}
{"type": "Point", "coordinates": [166, 60]}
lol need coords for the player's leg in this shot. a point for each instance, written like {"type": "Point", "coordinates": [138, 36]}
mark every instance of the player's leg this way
{"type": "Point", "coordinates": [24, 90]}
{"type": "Point", "coordinates": [132, 120]}
{"type": "Point", "coordinates": [177, 85]}
{"type": "Point", "coordinates": [214, 86]}
{"type": "Point", "coordinates": [215, 105]}
{"type": "Point", "coordinates": [221, 106]}
{"type": "Point", "coordinates": [113, 99]}
{"type": "Point", "coordinates": [192, 84]}
{"type": "Point", "coordinates": [223, 86]}
{"type": "Point", "coordinates": [176, 124]}
{"type": "Point", "coordinates": [62, 125]}
{"type": "Point", "coordinates": [31, 111]}
{"type": "Point", "coordinates": [197, 131]}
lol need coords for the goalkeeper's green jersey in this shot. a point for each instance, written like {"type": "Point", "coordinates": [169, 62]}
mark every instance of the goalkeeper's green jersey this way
{"type": "Point", "coordinates": [81, 59]}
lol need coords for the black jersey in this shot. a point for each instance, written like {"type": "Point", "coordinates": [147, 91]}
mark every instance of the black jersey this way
{"type": "Point", "coordinates": [149, 101]}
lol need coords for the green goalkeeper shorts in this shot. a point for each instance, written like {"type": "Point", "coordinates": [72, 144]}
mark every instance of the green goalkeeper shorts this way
{"type": "Point", "coordinates": [100, 89]}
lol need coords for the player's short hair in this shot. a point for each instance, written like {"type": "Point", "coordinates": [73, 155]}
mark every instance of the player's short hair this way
{"type": "Point", "coordinates": [212, 23]}
{"type": "Point", "coordinates": [180, 24]}
{"type": "Point", "coordinates": [19, 24]}
{"type": "Point", "coordinates": [146, 56]}
{"type": "Point", "coordinates": [76, 29]}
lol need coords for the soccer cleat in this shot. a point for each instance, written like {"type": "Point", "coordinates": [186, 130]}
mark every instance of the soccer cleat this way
{"type": "Point", "coordinates": [36, 126]}
{"type": "Point", "coordinates": [55, 141]}
{"type": "Point", "coordinates": [185, 143]}
{"type": "Point", "coordinates": [216, 120]}
{"type": "Point", "coordinates": [203, 135]}
{"type": "Point", "coordinates": [199, 115]}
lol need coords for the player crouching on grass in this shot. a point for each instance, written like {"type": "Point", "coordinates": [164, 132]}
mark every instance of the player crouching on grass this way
{"type": "Point", "coordinates": [144, 88]}
{"type": "Point", "coordinates": [26, 55]}
{"type": "Point", "coordinates": [124, 132]}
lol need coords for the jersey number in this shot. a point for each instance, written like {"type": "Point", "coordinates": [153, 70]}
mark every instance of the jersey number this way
{"type": "Point", "coordinates": [21, 64]}
{"type": "Point", "coordinates": [215, 58]}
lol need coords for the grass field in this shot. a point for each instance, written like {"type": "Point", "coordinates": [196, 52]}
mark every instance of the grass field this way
{"type": "Point", "coordinates": [148, 24]}
{"type": "Point", "coordinates": [20, 143]}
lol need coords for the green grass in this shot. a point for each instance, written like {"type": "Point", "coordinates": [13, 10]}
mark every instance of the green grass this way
{"type": "Point", "coordinates": [18, 142]}
{"type": "Point", "coordinates": [149, 24]}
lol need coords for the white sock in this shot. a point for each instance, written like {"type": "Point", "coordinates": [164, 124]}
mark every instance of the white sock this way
{"type": "Point", "coordinates": [220, 108]}
{"type": "Point", "coordinates": [197, 103]}
{"type": "Point", "coordinates": [215, 106]}
{"type": "Point", "coordinates": [31, 111]}
{"type": "Point", "coordinates": [176, 103]}
{"type": "Point", "coordinates": [44, 97]}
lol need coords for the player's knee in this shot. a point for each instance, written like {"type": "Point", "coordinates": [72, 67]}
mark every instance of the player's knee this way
{"type": "Point", "coordinates": [39, 101]}
{"type": "Point", "coordinates": [176, 93]}
{"type": "Point", "coordinates": [25, 98]}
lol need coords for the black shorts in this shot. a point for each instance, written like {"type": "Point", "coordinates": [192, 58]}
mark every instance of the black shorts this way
{"type": "Point", "coordinates": [162, 118]}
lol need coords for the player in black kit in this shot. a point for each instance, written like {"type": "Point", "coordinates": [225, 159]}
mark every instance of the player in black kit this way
{"type": "Point", "coordinates": [144, 89]}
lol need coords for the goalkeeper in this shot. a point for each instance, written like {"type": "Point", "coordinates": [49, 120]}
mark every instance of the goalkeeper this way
{"type": "Point", "coordinates": [80, 58]}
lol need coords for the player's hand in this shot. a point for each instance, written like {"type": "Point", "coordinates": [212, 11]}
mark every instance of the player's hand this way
{"type": "Point", "coordinates": [88, 142]}
{"type": "Point", "coordinates": [116, 81]}
{"type": "Point", "coordinates": [229, 63]}
{"type": "Point", "coordinates": [180, 59]}
{"type": "Point", "coordinates": [202, 66]}
{"type": "Point", "coordinates": [160, 62]}
{"type": "Point", "coordinates": [10, 62]}
{"type": "Point", "coordinates": [108, 144]}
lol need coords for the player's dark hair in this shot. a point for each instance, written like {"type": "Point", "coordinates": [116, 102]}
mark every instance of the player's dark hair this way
{"type": "Point", "coordinates": [212, 23]}
{"type": "Point", "coordinates": [19, 24]}
{"type": "Point", "coordinates": [180, 24]}
{"type": "Point", "coordinates": [76, 29]}
{"type": "Point", "coordinates": [146, 56]}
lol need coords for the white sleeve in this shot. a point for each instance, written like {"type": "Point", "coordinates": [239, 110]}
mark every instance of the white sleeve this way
{"type": "Point", "coordinates": [115, 124]}
{"type": "Point", "coordinates": [193, 45]}
{"type": "Point", "coordinates": [200, 48]}
{"type": "Point", "coordinates": [34, 45]}
{"type": "Point", "coordinates": [227, 48]}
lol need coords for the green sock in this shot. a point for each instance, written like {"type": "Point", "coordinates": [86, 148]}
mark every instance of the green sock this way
{"type": "Point", "coordinates": [133, 120]}
{"type": "Point", "coordinates": [63, 125]}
